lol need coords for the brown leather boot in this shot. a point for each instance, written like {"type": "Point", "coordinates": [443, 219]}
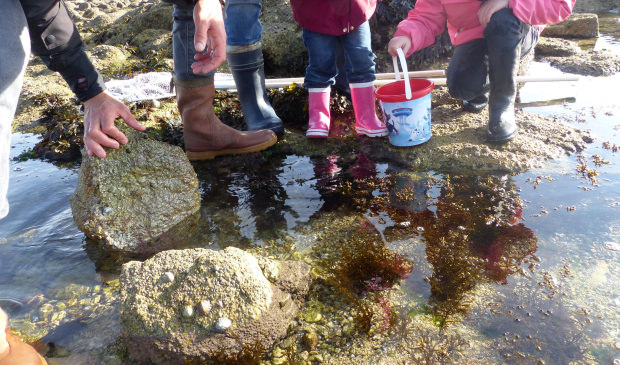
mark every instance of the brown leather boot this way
{"type": "Point", "coordinates": [205, 135]}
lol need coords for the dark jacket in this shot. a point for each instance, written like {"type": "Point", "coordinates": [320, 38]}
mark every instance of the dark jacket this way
{"type": "Point", "coordinates": [54, 38]}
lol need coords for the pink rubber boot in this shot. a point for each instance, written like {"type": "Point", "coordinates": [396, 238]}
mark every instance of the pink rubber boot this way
{"type": "Point", "coordinates": [318, 113]}
{"type": "Point", "coordinates": [366, 121]}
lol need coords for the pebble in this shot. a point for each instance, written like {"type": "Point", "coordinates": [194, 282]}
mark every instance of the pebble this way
{"type": "Point", "coordinates": [223, 324]}
{"type": "Point", "coordinates": [167, 277]}
{"type": "Point", "coordinates": [188, 311]}
{"type": "Point", "coordinates": [613, 246]}
{"type": "Point", "coordinates": [204, 307]}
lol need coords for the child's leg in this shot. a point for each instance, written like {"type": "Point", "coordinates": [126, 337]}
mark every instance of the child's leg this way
{"type": "Point", "coordinates": [244, 54]}
{"type": "Point", "coordinates": [320, 76]}
{"type": "Point", "coordinates": [467, 75]}
{"type": "Point", "coordinates": [360, 66]}
{"type": "Point", "coordinates": [507, 37]}
{"type": "Point", "coordinates": [322, 69]}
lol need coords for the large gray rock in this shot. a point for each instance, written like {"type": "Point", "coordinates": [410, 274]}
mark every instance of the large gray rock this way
{"type": "Point", "coordinates": [176, 305]}
{"type": "Point", "coordinates": [575, 26]}
{"type": "Point", "coordinates": [146, 16]}
{"type": "Point", "coordinates": [568, 57]}
{"type": "Point", "coordinates": [596, 6]}
{"type": "Point", "coordinates": [142, 198]}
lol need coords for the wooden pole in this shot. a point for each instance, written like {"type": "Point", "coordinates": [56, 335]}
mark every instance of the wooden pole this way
{"type": "Point", "coordinates": [386, 78]}
{"type": "Point", "coordinates": [520, 79]}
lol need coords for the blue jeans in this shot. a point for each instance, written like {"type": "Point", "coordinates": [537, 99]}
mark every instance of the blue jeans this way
{"type": "Point", "coordinates": [183, 50]}
{"type": "Point", "coordinates": [241, 22]}
{"type": "Point", "coordinates": [14, 55]}
{"type": "Point", "coordinates": [322, 67]}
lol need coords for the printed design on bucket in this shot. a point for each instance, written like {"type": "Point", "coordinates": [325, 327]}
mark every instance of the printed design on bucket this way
{"type": "Point", "coordinates": [408, 123]}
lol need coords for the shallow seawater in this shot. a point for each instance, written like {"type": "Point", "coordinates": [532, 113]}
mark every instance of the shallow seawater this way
{"type": "Point", "coordinates": [525, 268]}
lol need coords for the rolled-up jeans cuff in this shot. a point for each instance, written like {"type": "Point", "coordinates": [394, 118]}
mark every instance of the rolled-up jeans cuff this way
{"type": "Point", "coordinates": [183, 49]}
{"type": "Point", "coordinates": [198, 82]}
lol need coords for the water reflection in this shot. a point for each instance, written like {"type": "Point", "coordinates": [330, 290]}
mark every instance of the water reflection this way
{"type": "Point", "coordinates": [264, 203]}
{"type": "Point", "coordinates": [471, 227]}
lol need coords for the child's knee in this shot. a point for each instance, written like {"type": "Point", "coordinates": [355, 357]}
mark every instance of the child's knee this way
{"type": "Point", "coordinates": [459, 91]}
{"type": "Point", "coordinates": [503, 21]}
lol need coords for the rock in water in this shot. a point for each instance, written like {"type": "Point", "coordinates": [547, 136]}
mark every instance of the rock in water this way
{"type": "Point", "coordinates": [245, 296]}
{"type": "Point", "coordinates": [141, 198]}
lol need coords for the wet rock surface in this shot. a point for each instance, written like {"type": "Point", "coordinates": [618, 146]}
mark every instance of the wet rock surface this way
{"type": "Point", "coordinates": [219, 302]}
{"type": "Point", "coordinates": [458, 142]}
{"type": "Point", "coordinates": [596, 5]}
{"type": "Point", "coordinates": [141, 198]}
{"type": "Point", "coordinates": [567, 56]}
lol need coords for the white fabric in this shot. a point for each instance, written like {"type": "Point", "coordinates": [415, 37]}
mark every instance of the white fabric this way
{"type": "Point", "coordinates": [155, 85]}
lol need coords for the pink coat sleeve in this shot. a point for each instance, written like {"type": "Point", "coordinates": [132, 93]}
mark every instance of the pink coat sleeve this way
{"type": "Point", "coordinates": [423, 24]}
{"type": "Point", "coordinates": [542, 12]}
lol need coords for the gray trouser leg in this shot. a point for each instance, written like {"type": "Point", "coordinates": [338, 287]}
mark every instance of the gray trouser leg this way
{"type": "Point", "coordinates": [14, 55]}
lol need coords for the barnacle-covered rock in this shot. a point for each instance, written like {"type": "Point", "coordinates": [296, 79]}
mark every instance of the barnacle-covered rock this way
{"type": "Point", "coordinates": [246, 304]}
{"type": "Point", "coordinates": [141, 198]}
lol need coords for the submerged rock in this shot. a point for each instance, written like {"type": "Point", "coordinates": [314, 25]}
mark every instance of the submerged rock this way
{"type": "Point", "coordinates": [247, 304]}
{"type": "Point", "coordinates": [142, 198]}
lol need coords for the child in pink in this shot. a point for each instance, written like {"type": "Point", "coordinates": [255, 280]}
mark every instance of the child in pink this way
{"type": "Point", "coordinates": [490, 38]}
{"type": "Point", "coordinates": [328, 25]}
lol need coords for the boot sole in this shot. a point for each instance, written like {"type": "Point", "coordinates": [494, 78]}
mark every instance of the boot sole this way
{"type": "Point", "coordinates": [371, 132]}
{"type": "Point", "coordinates": [317, 133]}
{"type": "Point", "coordinates": [503, 139]}
{"type": "Point", "coordinates": [209, 155]}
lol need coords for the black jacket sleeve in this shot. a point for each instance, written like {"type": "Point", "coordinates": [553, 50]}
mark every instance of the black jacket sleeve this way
{"type": "Point", "coordinates": [56, 40]}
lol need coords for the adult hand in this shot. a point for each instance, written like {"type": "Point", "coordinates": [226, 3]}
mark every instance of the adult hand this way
{"type": "Point", "coordinates": [209, 33]}
{"type": "Point", "coordinates": [12, 350]}
{"type": "Point", "coordinates": [490, 7]}
{"type": "Point", "coordinates": [399, 42]}
{"type": "Point", "coordinates": [100, 113]}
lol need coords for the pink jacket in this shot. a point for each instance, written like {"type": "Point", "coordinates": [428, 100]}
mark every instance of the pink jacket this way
{"type": "Point", "coordinates": [429, 18]}
{"type": "Point", "coordinates": [333, 17]}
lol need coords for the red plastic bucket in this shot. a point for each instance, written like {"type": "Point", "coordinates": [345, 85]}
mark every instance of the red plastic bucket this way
{"type": "Point", "coordinates": [407, 117]}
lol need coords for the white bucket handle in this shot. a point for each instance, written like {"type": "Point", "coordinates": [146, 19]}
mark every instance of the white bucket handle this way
{"type": "Point", "coordinates": [403, 64]}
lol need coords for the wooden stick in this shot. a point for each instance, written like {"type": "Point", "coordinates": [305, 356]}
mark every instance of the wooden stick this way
{"type": "Point", "coordinates": [386, 78]}
{"type": "Point", "coordinates": [429, 73]}
{"type": "Point", "coordinates": [559, 101]}
{"type": "Point", "coordinates": [379, 76]}
{"type": "Point", "coordinates": [520, 79]}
